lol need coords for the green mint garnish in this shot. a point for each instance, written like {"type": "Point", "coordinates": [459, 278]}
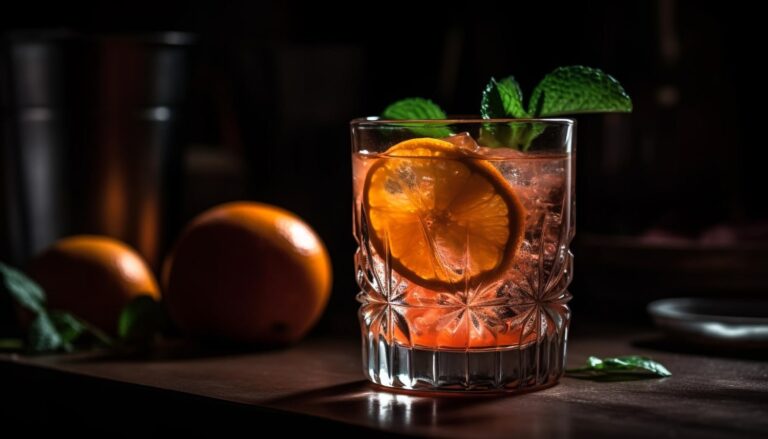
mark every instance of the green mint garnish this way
{"type": "Point", "coordinates": [418, 109]}
{"type": "Point", "coordinates": [630, 367]}
{"type": "Point", "coordinates": [502, 99]}
{"type": "Point", "coordinates": [413, 108]}
{"type": "Point", "coordinates": [517, 135]}
{"type": "Point", "coordinates": [567, 90]}
{"type": "Point", "coordinates": [578, 89]}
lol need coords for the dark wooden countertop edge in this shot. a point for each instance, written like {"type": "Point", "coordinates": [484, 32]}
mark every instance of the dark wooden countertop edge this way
{"type": "Point", "coordinates": [59, 398]}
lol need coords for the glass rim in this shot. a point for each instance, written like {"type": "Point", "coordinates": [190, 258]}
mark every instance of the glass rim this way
{"type": "Point", "coordinates": [375, 121]}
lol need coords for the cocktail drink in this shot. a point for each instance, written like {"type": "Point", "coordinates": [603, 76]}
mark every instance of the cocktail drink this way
{"type": "Point", "coordinates": [463, 260]}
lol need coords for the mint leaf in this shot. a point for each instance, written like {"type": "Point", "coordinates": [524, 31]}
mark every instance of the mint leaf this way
{"type": "Point", "coordinates": [141, 320]}
{"type": "Point", "coordinates": [413, 108]}
{"type": "Point", "coordinates": [420, 109]}
{"type": "Point", "coordinates": [42, 335]}
{"type": "Point", "coordinates": [517, 135]}
{"type": "Point", "coordinates": [635, 363]}
{"type": "Point", "coordinates": [502, 99]}
{"type": "Point", "coordinates": [51, 330]}
{"type": "Point", "coordinates": [630, 367]}
{"type": "Point", "coordinates": [69, 327]}
{"type": "Point", "coordinates": [22, 289]}
{"type": "Point", "coordinates": [56, 330]}
{"type": "Point", "coordinates": [578, 89]}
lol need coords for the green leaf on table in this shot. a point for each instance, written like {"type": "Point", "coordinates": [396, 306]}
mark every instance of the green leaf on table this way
{"type": "Point", "coordinates": [502, 99]}
{"type": "Point", "coordinates": [53, 331]}
{"type": "Point", "coordinates": [42, 336]}
{"type": "Point", "coordinates": [50, 330]}
{"type": "Point", "coordinates": [578, 89]}
{"type": "Point", "coordinates": [418, 109]}
{"type": "Point", "coordinates": [71, 328]}
{"type": "Point", "coordinates": [22, 289]}
{"type": "Point", "coordinates": [630, 367]}
{"type": "Point", "coordinates": [141, 320]}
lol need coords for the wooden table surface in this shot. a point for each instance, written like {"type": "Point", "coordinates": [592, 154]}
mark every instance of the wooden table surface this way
{"type": "Point", "coordinates": [318, 385]}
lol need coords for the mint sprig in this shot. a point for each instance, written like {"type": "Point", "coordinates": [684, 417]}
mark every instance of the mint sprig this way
{"type": "Point", "coordinates": [566, 90]}
{"type": "Point", "coordinates": [502, 99]}
{"type": "Point", "coordinates": [578, 89]}
{"type": "Point", "coordinates": [630, 367]}
{"type": "Point", "coordinates": [516, 135]}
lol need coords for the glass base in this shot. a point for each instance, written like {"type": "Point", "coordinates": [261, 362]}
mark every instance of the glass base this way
{"type": "Point", "coordinates": [534, 366]}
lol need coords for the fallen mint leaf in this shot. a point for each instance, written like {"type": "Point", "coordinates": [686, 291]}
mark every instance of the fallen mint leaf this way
{"type": "Point", "coordinates": [72, 328]}
{"type": "Point", "coordinates": [50, 330]}
{"type": "Point", "coordinates": [22, 289]}
{"type": "Point", "coordinates": [53, 331]}
{"type": "Point", "coordinates": [630, 367]}
{"type": "Point", "coordinates": [42, 336]}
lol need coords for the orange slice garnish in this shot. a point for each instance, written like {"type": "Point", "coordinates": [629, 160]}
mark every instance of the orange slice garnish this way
{"type": "Point", "coordinates": [445, 219]}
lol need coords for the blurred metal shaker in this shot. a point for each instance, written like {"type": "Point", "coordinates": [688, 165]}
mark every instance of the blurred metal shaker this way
{"type": "Point", "coordinates": [90, 138]}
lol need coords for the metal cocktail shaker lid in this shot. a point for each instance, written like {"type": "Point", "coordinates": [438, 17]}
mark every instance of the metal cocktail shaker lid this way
{"type": "Point", "coordinates": [90, 142]}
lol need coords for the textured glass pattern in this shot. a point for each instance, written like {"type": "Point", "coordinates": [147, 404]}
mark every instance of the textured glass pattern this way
{"type": "Point", "coordinates": [505, 332]}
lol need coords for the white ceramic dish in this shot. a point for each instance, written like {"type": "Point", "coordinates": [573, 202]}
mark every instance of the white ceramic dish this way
{"type": "Point", "coordinates": [714, 322]}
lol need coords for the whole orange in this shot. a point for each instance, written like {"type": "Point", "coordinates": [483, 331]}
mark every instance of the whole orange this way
{"type": "Point", "coordinates": [93, 277]}
{"type": "Point", "coordinates": [248, 272]}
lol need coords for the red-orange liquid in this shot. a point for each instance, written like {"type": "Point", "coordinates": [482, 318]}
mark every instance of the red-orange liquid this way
{"type": "Point", "coordinates": [515, 307]}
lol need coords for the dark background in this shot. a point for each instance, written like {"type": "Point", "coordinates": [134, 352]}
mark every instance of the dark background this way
{"type": "Point", "coordinates": [671, 198]}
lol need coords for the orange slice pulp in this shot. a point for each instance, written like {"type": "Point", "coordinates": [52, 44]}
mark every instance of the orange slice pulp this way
{"type": "Point", "coordinates": [445, 219]}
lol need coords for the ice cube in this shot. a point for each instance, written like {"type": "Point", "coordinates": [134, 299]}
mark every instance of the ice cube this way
{"type": "Point", "coordinates": [464, 141]}
{"type": "Point", "coordinates": [500, 153]}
